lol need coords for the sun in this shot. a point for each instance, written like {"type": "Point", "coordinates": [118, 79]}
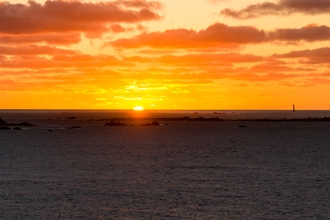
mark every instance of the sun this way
{"type": "Point", "coordinates": [138, 108]}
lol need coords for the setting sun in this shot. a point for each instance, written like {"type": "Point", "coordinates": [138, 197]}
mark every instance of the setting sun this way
{"type": "Point", "coordinates": [138, 108]}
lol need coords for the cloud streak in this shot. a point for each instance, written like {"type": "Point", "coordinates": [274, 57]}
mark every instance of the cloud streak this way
{"type": "Point", "coordinates": [316, 56]}
{"type": "Point", "coordinates": [215, 35]}
{"type": "Point", "coordinates": [59, 60]}
{"type": "Point", "coordinates": [310, 33]}
{"type": "Point", "coordinates": [222, 35]}
{"type": "Point", "coordinates": [71, 16]}
{"type": "Point", "coordinates": [282, 7]}
{"type": "Point", "coordinates": [50, 38]}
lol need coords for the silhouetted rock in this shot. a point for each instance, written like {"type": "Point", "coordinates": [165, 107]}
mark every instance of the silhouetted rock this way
{"type": "Point", "coordinates": [72, 118]}
{"type": "Point", "coordinates": [5, 128]}
{"type": "Point", "coordinates": [205, 119]}
{"type": "Point", "coordinates": [186, 118]}
{"type": "Point", "coordinates": [241, 126]}
{"type": "Point", "coordinates": [153, 123]}
{"type": "Point", "coordinates": [115, 123]}
{"type": "Point", "coordinates": [2, 122]}
{"type": "Point", "coordinates": [73, 127]}
{"type": "Point", "coordinates": [25, 124]}
{"type": "Point", "coordinates": [17, 128]}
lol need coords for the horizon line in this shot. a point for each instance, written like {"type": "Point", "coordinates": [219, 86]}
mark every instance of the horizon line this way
{"type": "Point", "coordinates": [82, 109]}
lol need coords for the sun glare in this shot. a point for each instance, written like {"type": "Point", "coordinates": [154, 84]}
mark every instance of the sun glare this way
{"type": "Point", "coordinates": [138, 108]}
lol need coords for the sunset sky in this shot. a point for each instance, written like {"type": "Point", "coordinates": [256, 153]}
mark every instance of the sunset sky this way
{"type": "Point", "coordinates": [165, 54]}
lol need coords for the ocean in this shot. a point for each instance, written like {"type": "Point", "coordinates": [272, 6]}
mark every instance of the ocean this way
{"type": "Point", "coordinates": [70, 166]}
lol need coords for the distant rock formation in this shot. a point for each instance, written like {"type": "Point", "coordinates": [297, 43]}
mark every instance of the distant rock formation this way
{"type": "Point", "coordinates": [186, 118]}
{"type": "Point", "coordinates": [73, 127]}
{"type": "Point", "coordinates": [5, 128]}
{"type": "Point", "coordinates": [71, 118]}
{"type": "Point", "coordinates": [115, 123]}
{"type": "Point", "coordinates": [24, 124]}
{"type": "Point", "coordinates": [2, 122]}
{"type": "Point", "coordinates": [309, 119]}
{"type": "Point", "coordinates": [154, 123]}
{"type": "Point", "coordinates": [17, 128]}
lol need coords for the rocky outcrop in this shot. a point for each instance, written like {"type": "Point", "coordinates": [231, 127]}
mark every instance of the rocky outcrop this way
{"type": "Point", "coordinates": [2, 122]}
{"type": "Point", "coordinates": [154, 123]}
{"type": "Point", "coordinates": [17, 129]}
{"type": "Point", "coordinates": [74, 127]}
{"type": "Point", "coordinates": [71, 118]}
{"type": "Point", "coordinates": [5, 128]}
{"type": "Point", "coordinates": [115, 123]}
{"type": "Point", "coordinates": [24, 124]}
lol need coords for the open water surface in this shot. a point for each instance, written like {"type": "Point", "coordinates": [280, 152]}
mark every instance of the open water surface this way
{"type": "Point", "coordinates": [186, 170]}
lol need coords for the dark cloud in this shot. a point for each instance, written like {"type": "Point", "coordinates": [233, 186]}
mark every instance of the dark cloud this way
{"type": "Point", "coordinates": [211, 59]}
{"type": "Point", "coordinates": [309, 33]}
{"type": "Point", "coordinates": [221, 35]}
{"type": "Point", "coordinates": [215, 35]}
{"type": "Point", "coordinates": [282, 7]}
{"type": "Point", "coordinates": [316, 56]}
{"type": "Point", "coordinates": [73, 16]}
{"type": "Point", "coordinates": [55, 38]}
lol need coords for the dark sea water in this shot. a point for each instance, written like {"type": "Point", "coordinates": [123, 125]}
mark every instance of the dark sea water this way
{"type": "Point", "coordinates": [186, 170]}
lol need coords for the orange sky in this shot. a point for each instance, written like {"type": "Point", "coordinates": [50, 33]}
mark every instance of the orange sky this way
{"type": "Point", "coordinates": [165, 54]}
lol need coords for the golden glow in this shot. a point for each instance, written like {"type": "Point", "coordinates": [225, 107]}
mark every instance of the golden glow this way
{"type": "Point", "coordinates": [138, 108]}
{"type": "Point", "coordinates": [165, 58]}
